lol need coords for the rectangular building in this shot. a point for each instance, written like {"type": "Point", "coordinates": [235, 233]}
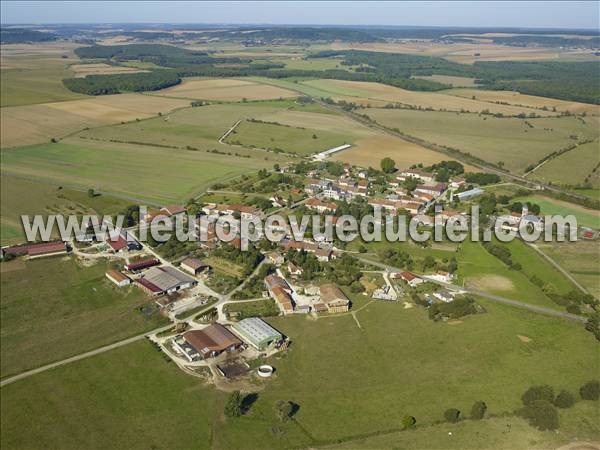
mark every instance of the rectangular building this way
{"type": "Point", "coordinates": [256, 332]}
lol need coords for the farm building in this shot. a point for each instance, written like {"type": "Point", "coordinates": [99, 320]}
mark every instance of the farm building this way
{"type": "Point", "coordinates": [256, 332]}
{"type": "Point", "coordinates": [38, 250]}
{"type": "Point", "coordinates": [280, 291]}
{"type": "Point", "coordinates": [206, 343]}
{"type": "Point", "coordinates": [194, 266]}
{"type": "Point", "coordinates": [118, 278]}
{"type": "Point", "coordinates": [142, 264]}
{"type": "Point", "coordinates": [321, 206]}
{"type": "Point", "coordinates": [411, 279]}
{"type": "Point", "coordinates": [465, 195]}
{"type": "Point", "coordinates": [333, 298]}
{"type": "Point", "coordinates": [165, 280]}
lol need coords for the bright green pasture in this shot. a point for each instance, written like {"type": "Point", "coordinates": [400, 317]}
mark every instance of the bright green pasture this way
{"type": "Point", "coordinates": [54, 308]}
{"type": "Point", "coordinates": [140, 172]}
{"type": "Point", "coordinates": [290, 139]}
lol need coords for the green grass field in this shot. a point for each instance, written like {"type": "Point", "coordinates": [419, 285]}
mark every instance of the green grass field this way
{"type": "Point", "coordinates": [480, 270]}
{"type": "Point", "coordinates": [585, 217]}
{"type": "Point", "coordinates": [54, 308]}
{"type": "Point", "coordinates": [303, 141]}
{"type": "Point", "coordinates": [20, 196]}
{"type": "Point", "coordinates": [118, 399]}
{"type": "Point", "coordinates": [572, 167]}
{"type": "Point", "coordinates": [140, 172]}
{"type": "Point", "coordinates": [580, 259]}
{"type": "Point", "coordinates": [38, 79]}
{"type": "Point", "coordinates": [398, 362]}
{"type": "Point", "coordinates": [508, 140]}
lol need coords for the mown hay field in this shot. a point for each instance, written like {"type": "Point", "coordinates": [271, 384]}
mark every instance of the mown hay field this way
{"type": "Point", "coordinates": [579, 258]}
{"type": "Point", "coordinates": [369, 92]}
{"type": "Point", "coordinates": [458, 82]}
{"type": "Point", "coordinates": [573, 167]}
{"type": "Point", "coordinates": [33, 73]}
{"type": "Point", "coordinates": [369, 151]}
{"type": "Point", "coordinates": [21, 196]}
{"type": "Point", "coordinates": [139, 172]}
{"type": "Point", "coordinates": [290, 139]}
{"type": "Point", "coordinates": [515, 142]}
{"type": "Point", "coordinates": [200, 127]}
{"type": "Point", "coordinates": [83, 70]}
{"type": "Point", "coordinates": [468, 53]}
{"type": "Point", "coordinates": [224, 89]}
{"type": "Point", "coordinates": [530, 101]}
{"type": "Point", "coordinates": [33, 124]}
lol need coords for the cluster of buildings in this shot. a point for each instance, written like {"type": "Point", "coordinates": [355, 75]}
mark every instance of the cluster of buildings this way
{"type": "Point", "coordinates": [216, 339]}
{"type": "Point", "coordinates": [330, 297]}
{"type": "Point", "coordinates": [512, 221]}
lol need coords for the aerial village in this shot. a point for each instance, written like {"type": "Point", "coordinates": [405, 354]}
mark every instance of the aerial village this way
{"type": "Point", "coordinates": [190, 283]}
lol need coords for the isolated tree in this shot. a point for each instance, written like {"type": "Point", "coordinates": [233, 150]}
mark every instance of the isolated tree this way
{"type": "Point", "coordinates": [91, 193]}
{"type": "Point", "coordinates": [541, 414]}
{"type": "Point", "coordinates": [590, 390]}
{"type": "Point", "coordinates": [387, 165]}
{"type": "Point", "coordinates": [284, 410]}
{"type": "Point", "coordinates": [408, 422]}
{"type": "Point", "coordinates": [452, 415]}
{"type": "Point", "coordinates": [535, 393]}
{"type": "Point", "coordinates": [564, 399]}
{"type": "Point", "coordinates": [233, 407]}
{"type": "Point", "coordinates": [478, 410]}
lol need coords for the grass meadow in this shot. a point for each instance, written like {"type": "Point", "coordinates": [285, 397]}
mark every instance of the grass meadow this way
{"type": "Point", "coordinates": [508, 140]}
{"type": "Point", "coordinates": [21, 196]}
{"type": "Point", "coordinates": [585, 217]}
{"type": "Point", "coordinates": [571, 168]}
{"type": "Point", "coordinates": [55, 308]}
{"type": "Point", "coordinates": [397, 362]}
{"type": "Point", "coordinates": [138, 172]}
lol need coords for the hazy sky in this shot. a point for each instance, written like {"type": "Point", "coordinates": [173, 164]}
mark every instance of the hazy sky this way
{"type": "Point", "coordinates": [563, 14]}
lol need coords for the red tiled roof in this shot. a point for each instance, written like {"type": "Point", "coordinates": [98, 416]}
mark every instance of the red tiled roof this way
{"type": "Point", "coordinates": [118, 244]}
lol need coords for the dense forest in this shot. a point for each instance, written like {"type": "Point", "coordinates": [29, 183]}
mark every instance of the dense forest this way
{"type": "Point", "coordinates": [556, 79]}
{"type": "Point", "coordinates": [159, 54]}
{"type": "Point", "coordinates": [23, 35]}
{"type": "Point", "coordinates": [114, 84]}
{"type": "Point", "coordinates": [575, 81]}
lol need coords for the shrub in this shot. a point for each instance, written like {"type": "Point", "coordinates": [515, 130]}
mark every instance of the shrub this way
{"type": "Point", "coordinates": [564, 399]}
{"type": "Point", "coordinates": [590, 390]}
{"type": "Point", "coordinates": [233, 407]}
{"type": "Point", "coordinates": [541, 414]}
{"type": "Point", "coordinates": [284, 409]}
{"type": "Point", "coordinates": [408, 422]}
{"type": "Point", "coordinates": [452, 415]}
{"type": "Point", "coordinates": [535, 393]}
{"type": "Point", "coordinates": [478, 410]}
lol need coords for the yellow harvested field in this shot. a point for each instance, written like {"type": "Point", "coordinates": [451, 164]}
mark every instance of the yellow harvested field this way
{"type": "Point", "coordinates": [369, 151]}
{"type": "Point", "coordinates": [83, 70]}
{"type": "Point", "coordinates": [532, 101]}
{"type": "Point", "coordinates": [34, 124]}
{"type": "Point", "coordinates": [453, 81]}
{"type": "Point", "coordinates": [465, 53]}
{"type": "Point", "coordinates": [369, 92]}
{"type": "Point", "coordinates": [231, 90]}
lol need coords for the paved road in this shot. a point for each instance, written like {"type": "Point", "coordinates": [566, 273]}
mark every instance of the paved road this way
{"type": "Point", "coordinates": [81, 356]}
{"type": "Point", "coordinates": [495, 298]}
